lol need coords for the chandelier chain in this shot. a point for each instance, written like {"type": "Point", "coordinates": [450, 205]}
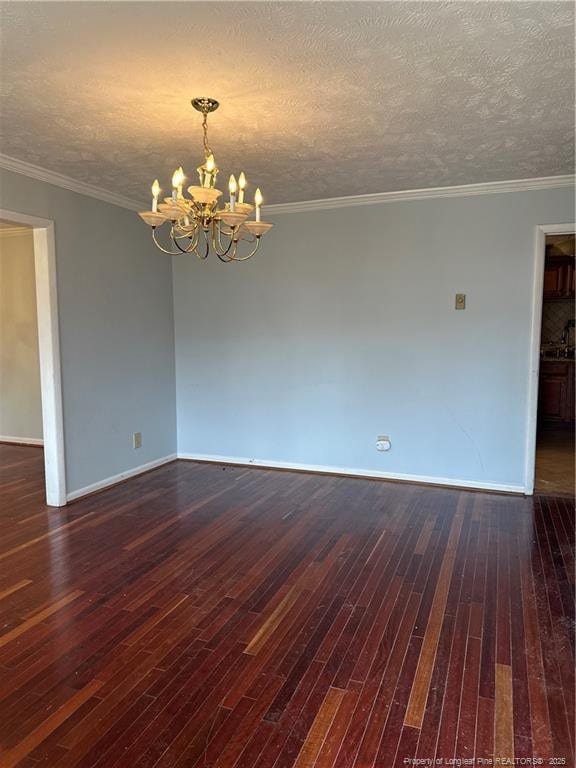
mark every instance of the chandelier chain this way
{"type": "Point", "coordinates": [207, 149]}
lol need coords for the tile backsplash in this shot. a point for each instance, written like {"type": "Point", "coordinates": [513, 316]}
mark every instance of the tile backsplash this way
{"type": "Point", "coordinates": [555, 315]}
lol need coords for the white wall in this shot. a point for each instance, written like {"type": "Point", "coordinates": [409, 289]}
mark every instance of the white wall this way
{"type": "Point", "coordinates": [116, 330]}
{"type": "Point", "coordinates": [20, 400]}
{"type": "Point", "coordinates": [343, 327]}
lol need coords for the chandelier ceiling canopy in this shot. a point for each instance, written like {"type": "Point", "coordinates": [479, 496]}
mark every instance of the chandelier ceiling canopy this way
{"type": "Point", "coordinates": [196, 224]}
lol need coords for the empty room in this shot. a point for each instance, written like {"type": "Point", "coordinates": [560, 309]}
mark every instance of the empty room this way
{"type": "Point", "coordinates": [287, 384]}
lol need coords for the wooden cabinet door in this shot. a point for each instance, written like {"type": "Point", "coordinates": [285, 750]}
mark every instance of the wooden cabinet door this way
{"type": "Point", "coordinates": [556, 279]}
{"type": "Point", "coordinates": [552, 398]}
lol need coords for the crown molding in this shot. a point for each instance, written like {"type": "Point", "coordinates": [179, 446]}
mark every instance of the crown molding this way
{"type": "Point", "coordinates": [59, 180]}
{"type": "Point", "coordinates": [305, 206]}
{"type": "Point", "coordinates": [463, 190]}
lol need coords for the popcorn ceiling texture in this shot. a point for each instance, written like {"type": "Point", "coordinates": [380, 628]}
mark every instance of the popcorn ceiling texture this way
{"type": "Point", "coordinates": [318, 99]}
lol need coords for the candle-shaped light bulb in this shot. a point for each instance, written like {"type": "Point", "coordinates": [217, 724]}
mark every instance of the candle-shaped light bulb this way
{"type": "Point", "coordinates": [175, 183]}
{"type": "Point", "coordinates": [181, 178]}
{"type": "Point", "coordinates": [155, 193]}
{"type": "Point", "coordinates": [207, 172]}
{"type": "Point", "coordinates": [233, 188]}
{"type": "Point", "coordinates": [242, 185]}
{"type": "Point", "coordinates": [258, 199]}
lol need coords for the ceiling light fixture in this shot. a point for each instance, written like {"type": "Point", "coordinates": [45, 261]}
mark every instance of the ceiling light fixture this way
{"type": "Point", "coordinates": [196, 223]}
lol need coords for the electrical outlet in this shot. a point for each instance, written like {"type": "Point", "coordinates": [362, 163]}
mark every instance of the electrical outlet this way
{"type": "Point", "coordinates": [137, 440]}
{"type": "Point", "coordinates": [383, 443]}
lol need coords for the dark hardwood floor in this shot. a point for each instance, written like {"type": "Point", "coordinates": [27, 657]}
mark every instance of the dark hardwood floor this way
{"type": "Point", "coordinates": [555, 460]}
{"type": "Point", "coordinates": [213, 617]}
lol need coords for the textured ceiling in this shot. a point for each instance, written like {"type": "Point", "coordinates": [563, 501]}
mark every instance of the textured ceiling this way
{"type": "Point", "coordinates": [318, 99]}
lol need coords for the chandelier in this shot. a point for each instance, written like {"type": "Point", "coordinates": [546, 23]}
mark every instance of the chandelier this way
{"type": "Point", "coordinates": [196, 224]}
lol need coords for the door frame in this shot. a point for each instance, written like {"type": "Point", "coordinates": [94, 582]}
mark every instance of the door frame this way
{"type": "Point", "coordinates": [49, 353]}
{"type": "Point", "coordinates": [534, 354]}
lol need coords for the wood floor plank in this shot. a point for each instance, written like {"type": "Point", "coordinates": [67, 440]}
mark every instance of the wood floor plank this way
{"type": "Point", "coordinates": [421, 685]}
{"type": "Point", "coordinates": [337, 730]}
{"type": "Point", "coordinates": [272, 622]}
{"type": "Point", "coordinates": [503, 715]}
{"type": "Point", "coordinates": [38, 617]}
{"type": "Point", "coordinates": [14, 588]}
{"type": "Point", "coordinates": [208, 617]}
{"type": "Point", "coordinates": [37, 736]}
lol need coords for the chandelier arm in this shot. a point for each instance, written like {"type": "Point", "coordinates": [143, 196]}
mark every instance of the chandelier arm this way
{"type": "Point", "coordinates": [193, 243]}
{"type": "Point", "coordinates": [223, 258]}
{"type": "Point", "coordinates": [196, 252]}
{"type": "Point", "coordinates": [206, 247]}
{"type": "Point", "coordinates": [237, 232]}
{"type": "Point", "coordinates": [224, 251]}
{"type": "Point", "coordinates": [219, 248]}
{"type": "Point", "coordinates": [228, 257]}
{"type": "Point", "coordinates": [189, 249]}
{"type": "Point", "coordinates": [226, 232]}
{"type": "Point", "coordinates": [193, 237]}
{"type": "Point", "coordinates": [161, 247]}
{"type": "Point", "coordinates": [184, 233]}
{"type": "Point", "coordinates": [240, 234]}
{"type": "Point", "coordinates": [174, 239]}
{"type": "Point", "coordinates": [249, 255]}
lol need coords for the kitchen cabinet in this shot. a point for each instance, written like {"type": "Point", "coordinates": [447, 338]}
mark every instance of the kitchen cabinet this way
{"type": "Point", "coordinates": [556, 391]}
{"type": "Point", "coordinates": [559, 277]}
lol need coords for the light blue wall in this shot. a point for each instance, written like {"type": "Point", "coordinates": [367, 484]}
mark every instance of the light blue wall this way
{"type": "Point", "coordinates": [343, 327]}
{"type": "Point", "coordinates": [116, 330]}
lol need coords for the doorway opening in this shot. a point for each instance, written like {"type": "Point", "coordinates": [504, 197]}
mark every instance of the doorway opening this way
{"type": "Point", "coordinates": [555, 427]}
{"type": "Point", "coordinates": [31, 356]}
{"type": "Point", "coordinates": [20, 398]}
{"type": "Point", "coordinates": [20, 393]}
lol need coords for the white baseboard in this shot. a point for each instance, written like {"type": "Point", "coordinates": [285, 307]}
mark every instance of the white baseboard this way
{"type": "Point", "coordinates": [316, 468]}
{"type": "Point", "coordinates": [21, 440]}
{"type": "Point", "coordinates": [370, 473]}
{"type": "Point", "coordinates": [108, 481]}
